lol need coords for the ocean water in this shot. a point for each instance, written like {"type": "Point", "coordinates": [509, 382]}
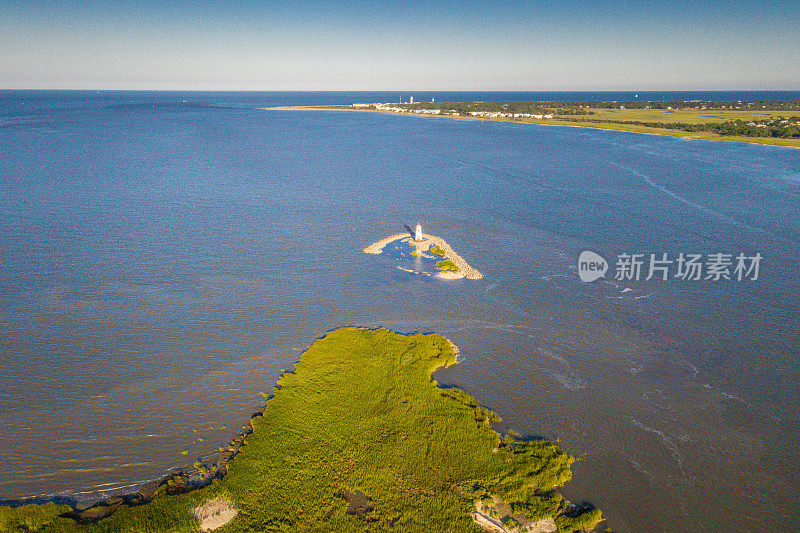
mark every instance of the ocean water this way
{"type": "Point", "coordinates": [165, 256]}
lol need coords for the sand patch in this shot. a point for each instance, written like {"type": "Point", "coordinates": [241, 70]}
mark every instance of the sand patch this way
{"type": "Point", "coordinates": [215, 513]}
{"type": "Point", "coordinates": [450, 275]}
{"type": "Point", "coordinates": [377, 247]}
{"type": "Point", "coordinates": [495, 519]}
{"type": "Point", "coordinates": [456, 351]}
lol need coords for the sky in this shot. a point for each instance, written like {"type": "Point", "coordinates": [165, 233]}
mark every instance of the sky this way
{"type": "Point", "coordinates": [389, 45]}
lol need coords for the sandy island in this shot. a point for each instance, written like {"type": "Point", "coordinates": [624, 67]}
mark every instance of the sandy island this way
{"type": "Point", "coordinates": [464, 269]}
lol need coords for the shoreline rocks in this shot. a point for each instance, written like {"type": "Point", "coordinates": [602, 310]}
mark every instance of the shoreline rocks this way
{"type": "Point", "coordinates": [178, 481]}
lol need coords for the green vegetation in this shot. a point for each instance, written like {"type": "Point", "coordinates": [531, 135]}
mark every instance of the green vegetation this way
{"type": "Point", "coordinates": [777, 120]}
{"type": "Point", "coordinates": [33, 517]}
{"type": "Point", "coordinates": [763, 122]}
{"type": "Point", "coordinates": [764, 125]}
{"type": "Point", "coordinates": [358, 438]}
{"type": "Point", "coordinates": [578, 520]}
{"type": "Point", "coordinates": [446, 265]}
{"type": "Point", "coordinates": [437, 251]}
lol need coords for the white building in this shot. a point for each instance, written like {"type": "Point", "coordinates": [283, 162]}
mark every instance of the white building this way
{"type": "Point", "coordinates": [418, 233]}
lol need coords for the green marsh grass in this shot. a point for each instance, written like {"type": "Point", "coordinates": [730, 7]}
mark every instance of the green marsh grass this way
{"type": "Point", "coordinates": [446, 265]}
{"type": "Point", "coordinates": [359, 413]}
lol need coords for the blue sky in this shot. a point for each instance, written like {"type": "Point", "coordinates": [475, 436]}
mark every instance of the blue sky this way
{"type": "Point", "coordinates": [545, 45]}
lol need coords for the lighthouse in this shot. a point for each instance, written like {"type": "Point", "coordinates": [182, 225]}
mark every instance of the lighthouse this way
{"type": "Point", "coordinates": [418, 233]}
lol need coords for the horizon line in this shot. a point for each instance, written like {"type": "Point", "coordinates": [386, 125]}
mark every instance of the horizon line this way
{"type": "Point", "coordinates": [95, 89]}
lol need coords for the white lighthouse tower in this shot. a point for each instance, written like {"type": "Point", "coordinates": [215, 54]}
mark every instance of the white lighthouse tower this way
{"type": "Point", "coordinates": [418, 233]}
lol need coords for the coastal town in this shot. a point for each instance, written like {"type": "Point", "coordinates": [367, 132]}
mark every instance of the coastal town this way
{"type": "Point", "coordinates": [393, 108]}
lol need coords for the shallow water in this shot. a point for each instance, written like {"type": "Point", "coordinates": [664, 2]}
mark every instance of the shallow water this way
{"type": "Point", "coordinates": [160, 265]}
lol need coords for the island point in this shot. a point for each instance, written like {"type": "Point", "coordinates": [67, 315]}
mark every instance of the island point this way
{"type": "Point", "coordinates": [357, 438]}
{"type": "Point", "coordinates": [450, 266]}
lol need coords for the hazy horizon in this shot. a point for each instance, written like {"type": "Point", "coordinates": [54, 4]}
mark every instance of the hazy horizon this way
{"type": "Point", "coordinates": [370, 46]}
{"type": "Point", "coordinates": [404, 90]}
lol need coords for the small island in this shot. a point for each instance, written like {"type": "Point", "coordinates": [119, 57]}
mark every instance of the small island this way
{"type": "Point", "coordinates": [451, 265]}
{"type": "Point", "coordinates": [357, 438]}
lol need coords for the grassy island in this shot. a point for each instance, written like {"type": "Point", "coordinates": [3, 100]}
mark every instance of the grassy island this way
{"type": "Point", "coordinates": [359, 438]}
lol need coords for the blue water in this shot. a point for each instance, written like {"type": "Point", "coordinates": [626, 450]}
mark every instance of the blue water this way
{"type": "Point", "coordinates": [162, 261]}
{"type": "Point", "coordinates": [14, 103]}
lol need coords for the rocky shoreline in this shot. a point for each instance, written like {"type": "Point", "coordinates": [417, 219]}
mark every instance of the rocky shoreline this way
{"type": "Point", "coordinates": [178, 481]}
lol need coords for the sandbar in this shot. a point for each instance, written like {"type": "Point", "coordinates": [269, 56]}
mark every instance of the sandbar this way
{"type": "Point", "coordinates": [464, 268]}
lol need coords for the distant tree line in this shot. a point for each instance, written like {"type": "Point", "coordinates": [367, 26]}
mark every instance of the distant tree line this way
{"type": "Point", "coordinates": [790, 130]}
{"type": "Point", "coordinates": [531, 108]}
{"type": "Point", "coordinates": [767, 105]}
{"type": "Point", "coordinates": [582, 108]}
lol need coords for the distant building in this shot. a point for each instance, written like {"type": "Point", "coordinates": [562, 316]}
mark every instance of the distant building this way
{"type": "Point", "coordinates": [411, 100]}
{"type": "Point", "coordinates": [418, 233]}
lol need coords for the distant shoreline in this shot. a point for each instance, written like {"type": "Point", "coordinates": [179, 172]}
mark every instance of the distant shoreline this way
{"type": "Point", "coordinates": [697, 136]}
